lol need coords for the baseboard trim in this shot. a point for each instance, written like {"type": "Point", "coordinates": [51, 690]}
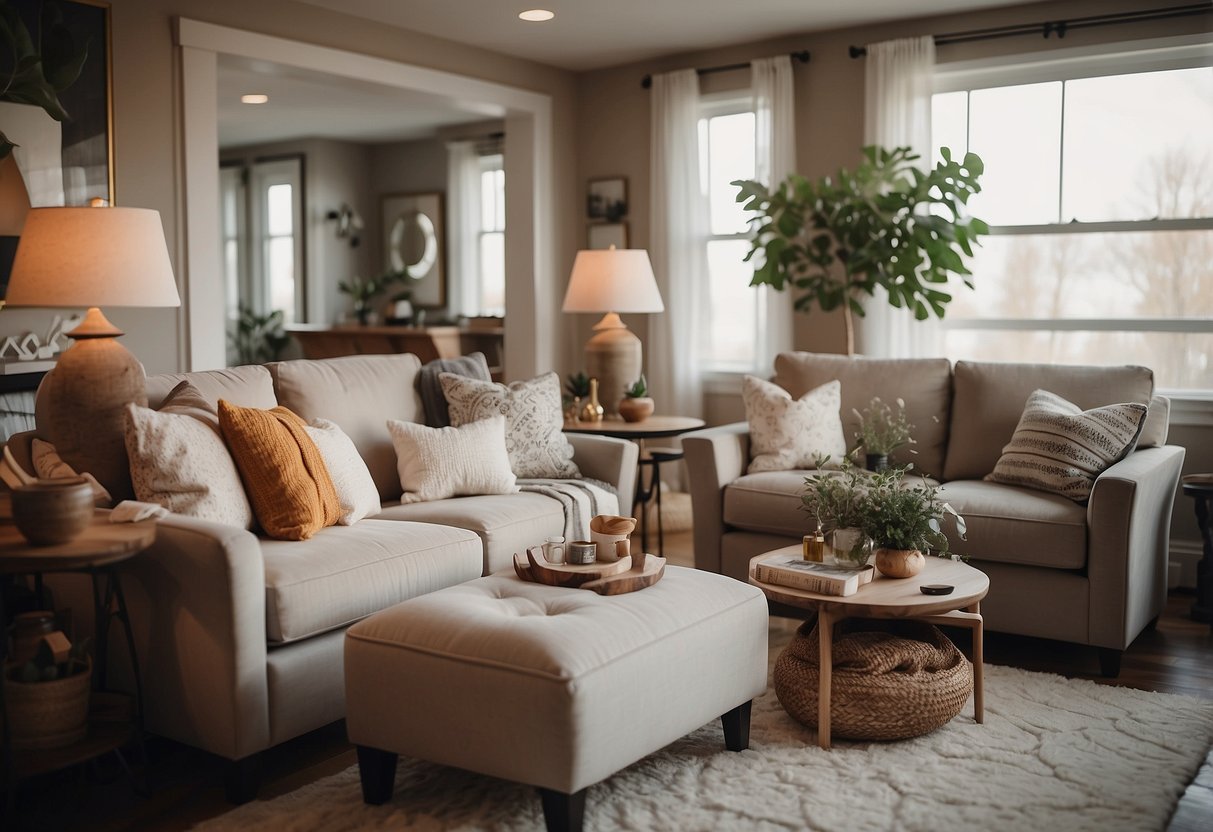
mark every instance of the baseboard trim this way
{"type": "Point", "coordinates": [1183, 557]}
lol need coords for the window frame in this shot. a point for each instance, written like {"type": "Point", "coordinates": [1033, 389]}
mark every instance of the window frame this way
{"type": "Point", "coordinates": [1163, 54]}
{"type": "Point", "coordinates": [717, 378]}
{"type": "Point", "coordinates": [489, 162]}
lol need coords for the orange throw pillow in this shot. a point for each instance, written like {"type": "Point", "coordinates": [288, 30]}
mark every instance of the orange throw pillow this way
{"type": "Point", "coordinates": [287, 482]}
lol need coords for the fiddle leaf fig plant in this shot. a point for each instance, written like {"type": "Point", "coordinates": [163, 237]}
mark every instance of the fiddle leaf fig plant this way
{"type": "Point", "coordinates": [886, 224]}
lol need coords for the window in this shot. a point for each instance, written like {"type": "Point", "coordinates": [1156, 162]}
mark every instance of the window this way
{"type": "Point", "coordinates": [491, 249]}
{"type": "Point", "coordinates": [1098, 188]}
{"type": "Point", "coordinates": [735, 311]}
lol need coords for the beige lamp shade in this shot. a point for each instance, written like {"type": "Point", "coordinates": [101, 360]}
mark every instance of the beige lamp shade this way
{"type": "Point", "coordinates": [92, 257]}
{"type": "Point", "coordinates": [613, 281]}
{"type": "Point", "coordinates": [77, 257]}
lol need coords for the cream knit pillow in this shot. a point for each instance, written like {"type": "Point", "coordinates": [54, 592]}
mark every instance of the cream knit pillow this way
{"type": "Point", "coordinates": [787, 433]}
{"type": "Point", "coordinates": [181, 463]}
{"type": "Point", "coordinates": [356, 491]}
{"type": "Point", "coordinates": [534, 420]}
{"type": "Point", "coordinates": [436, 463]}
{"type": "Point", "coordinates": [1060, 448]}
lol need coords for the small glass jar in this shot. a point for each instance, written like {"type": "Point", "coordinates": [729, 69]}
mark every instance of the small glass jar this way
{"type": "Point", "coordinates": [815, 546]}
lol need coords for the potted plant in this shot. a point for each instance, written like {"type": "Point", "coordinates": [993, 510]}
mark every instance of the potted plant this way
{"type": "Point", "coordinates": [905, 522]}
{"type": "Point", "coordinates": [47, 697]}
{"type": "Point", "coordinates": [636, 406]}
{"type": "Point", "coordinates": [888, 224]}
{"type": "Point", "coordinates": [364, 290]}
{"type": "Point", "coordinates": [836, 498]}
{"type": "Point", "coordinates": [576, 388]}
{"type": "Point", "coordinates": [882, 430]}
{"type": "Point", "coordinates": [256, 338]}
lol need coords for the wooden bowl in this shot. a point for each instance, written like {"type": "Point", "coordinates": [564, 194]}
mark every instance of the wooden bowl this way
{"type": "Point", "coordinates": [49, 512]}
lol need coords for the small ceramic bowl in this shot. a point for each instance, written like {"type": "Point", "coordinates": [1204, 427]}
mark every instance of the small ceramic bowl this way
{"type": "Point", "coordinates": [49, 512]}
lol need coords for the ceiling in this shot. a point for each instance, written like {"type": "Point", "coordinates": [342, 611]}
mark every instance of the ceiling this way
{"type": "Point", "coordinates": [306, 104]}
{"type": "Point", "coordinates": [591, 34]}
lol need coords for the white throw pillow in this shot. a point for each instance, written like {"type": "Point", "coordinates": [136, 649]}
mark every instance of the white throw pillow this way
{"type": "Point", "coordinates": [786, 434]}
{"type": "Point", "coordinates": [534, 420]}
{"type": "Point", "coordinates": [356, 490]}
{"type": "Point", "coordinates": [1060, 448]}
{"type": "Point", "coordinates": [436, 463]}
{"type": "Point", "coordinates": [181, 463]}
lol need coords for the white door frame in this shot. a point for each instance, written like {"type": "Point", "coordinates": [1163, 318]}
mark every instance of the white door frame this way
{"type": "Point", "coordinates": [529, 193]}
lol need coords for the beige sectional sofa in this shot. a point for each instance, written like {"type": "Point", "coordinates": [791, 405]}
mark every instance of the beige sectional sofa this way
{"type": "Point", "coordinates": [240, 637]}
{"type": "Point", "coordinates": [1090, 573]}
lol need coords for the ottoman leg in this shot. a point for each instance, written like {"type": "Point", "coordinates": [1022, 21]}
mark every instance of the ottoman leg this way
{"type": "Point", "coordinates": [737, 727]}
{"type": "Point", "coordinates": [377, 770]}
{"type": "Point", "coordinates": [563, 812]}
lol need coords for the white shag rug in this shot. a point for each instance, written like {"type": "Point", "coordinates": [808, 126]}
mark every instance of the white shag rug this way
{"type": "Point", "coordinates": [1053, 754]}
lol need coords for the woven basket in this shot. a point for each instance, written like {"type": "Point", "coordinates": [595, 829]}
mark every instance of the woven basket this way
{"type": "Point", "coordinates": [885, 686]}
{"type": "Point", "coordinates": [48, 714]}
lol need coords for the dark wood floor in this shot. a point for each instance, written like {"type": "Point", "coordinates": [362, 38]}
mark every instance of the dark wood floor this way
{"type": "Point", "coordinates": [186, 785]}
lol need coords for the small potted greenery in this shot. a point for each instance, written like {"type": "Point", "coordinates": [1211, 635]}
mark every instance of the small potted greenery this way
{"type": "Point", "coordinates": [576, 389]}
{"type": "Point", "coordinates": [905, 522]}
{"type": "Point", "coordinates": [257, 338]}
{"type": "Point", "coordinates": [47, 696]}
{"type": "Point", "coordinates": [882, 430]}
{"type": "Point", "coordinates": [636, 406]}
{"type": "Point", "coordinates": [363, 291]}
{"type": "Point", "coordinates": [836, 499]}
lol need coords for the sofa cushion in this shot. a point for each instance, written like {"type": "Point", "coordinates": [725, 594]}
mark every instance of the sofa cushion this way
{"type": "Point", "coordinates": [787, 433]}
{"type": "Point", "coordinates": [356, 491]}
{"type": "Point", "coordinates": [506, 523]}
{"type": "Point", "coordinates": [1061, 449]}
{"type": "Point", "coordinates": [438, 463]}
{"type": "Point", "coordinates": [359, 393]}
{"type": "Point", "coordinates": [433, 400]}
{"type": "Point", "coordinates": [924, 383]}
{"type": "Point", "coordinates": [989, 398]}
{"type": "Point", "coordinates": [769, 502]}
{"type": "Point", "coordinates": [247, 386]}
{"type": "Point", "coordinates": [1007, 524]}
{"type": "Point", "coordinates": [345, 573]}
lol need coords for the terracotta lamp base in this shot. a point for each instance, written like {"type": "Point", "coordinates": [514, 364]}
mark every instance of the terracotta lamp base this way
{"type": "Point", "coordinates": [81, 402]}
{"type": "Point", "coordinates": [613, 356]}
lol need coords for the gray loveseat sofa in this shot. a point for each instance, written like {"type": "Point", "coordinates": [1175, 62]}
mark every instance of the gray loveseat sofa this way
{"type": "Point", "coordinates": [240, 637]}
{"type": "Point", "coordinates": [1090, 573]}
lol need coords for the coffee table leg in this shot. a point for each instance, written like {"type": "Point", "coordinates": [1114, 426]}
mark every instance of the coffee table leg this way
{"type": "Point", "coordinates": [979, 693]}
{"type": "Point", "coordinates": [825, 631]}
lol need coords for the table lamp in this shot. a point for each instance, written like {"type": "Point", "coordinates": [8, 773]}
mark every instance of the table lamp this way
{"type": "Point", "coordinates": [91, 257]}
{"type": "Point", "coordinates": [613, 281]}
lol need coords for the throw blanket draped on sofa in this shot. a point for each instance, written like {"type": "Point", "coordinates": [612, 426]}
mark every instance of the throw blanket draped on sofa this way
{"type": "Point", "coordinates": [582, 500]}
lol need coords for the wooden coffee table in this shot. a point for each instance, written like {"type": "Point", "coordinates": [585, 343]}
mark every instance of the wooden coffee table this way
{"type": "Point", "coordinates": [889, 598]}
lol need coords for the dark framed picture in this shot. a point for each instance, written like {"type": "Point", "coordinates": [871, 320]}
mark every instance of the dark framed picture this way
{"type": "Point", "coordinates": [606, 234]}
{"type": "Point", "coordinates": [607, 199]}
{"type": "Point", "coordinates": [415, 243]}
{"type": "Point", "coordinates": [68, 162]}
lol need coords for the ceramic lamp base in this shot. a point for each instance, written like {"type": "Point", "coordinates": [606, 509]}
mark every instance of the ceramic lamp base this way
{"type": "Point", "coordinates": [81, 402]}
{"type": "Point", "coordinates": [613, 356]}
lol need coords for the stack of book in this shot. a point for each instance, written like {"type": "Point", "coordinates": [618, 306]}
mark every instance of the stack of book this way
{"type": "Point", "coordinates": [822, 578]}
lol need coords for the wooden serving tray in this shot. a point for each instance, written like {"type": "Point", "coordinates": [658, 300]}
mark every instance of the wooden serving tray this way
{"type": "Point", "coordinates": [624, 575]}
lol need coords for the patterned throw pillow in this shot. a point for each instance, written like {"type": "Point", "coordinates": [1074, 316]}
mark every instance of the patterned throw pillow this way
{"type": "Point", "coordinates": [181, 463]}
{"type": "Point", "coordinates": [437, 463]}
{"type": "Point", "coordinates": [534, 420]}
{"type": "Point", "coordinates": [282, 470]}
{"type": "Point", "coordinates": [787, 433]}
{"type": "Point", "coordinates": [356, 491]}
{"type": "Point", "coordinates": [1060, 448]}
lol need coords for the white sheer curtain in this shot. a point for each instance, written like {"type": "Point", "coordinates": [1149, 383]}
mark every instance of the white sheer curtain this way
{"type": "Point", "coordinates": [775, 159]}
{"type": "Point", "coordinates": [463, 224]}
{"type": "Point", "coordinates": [679, 228]}
{"type": "Point", "coordinates": [897, 113]}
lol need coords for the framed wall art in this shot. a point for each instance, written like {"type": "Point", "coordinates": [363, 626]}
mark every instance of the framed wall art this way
{"type": "Point", "coordinates": [607, 199]}
{"type": "Point", "coordinates": [606, 234]}
{"type": "Point", "coordinates": [415, 243]}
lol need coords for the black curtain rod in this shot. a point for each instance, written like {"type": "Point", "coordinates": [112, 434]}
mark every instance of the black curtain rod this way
{"type": "Point", "coordinates": [802, 56]}
{"type": "Point", "coordinates": [1060, 27]}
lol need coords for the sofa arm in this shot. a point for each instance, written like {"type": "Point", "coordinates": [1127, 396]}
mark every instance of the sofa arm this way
{"type": "Point", "coordinates": [1128, 537]}
{"type": "Point", "coordinates": [609, 460]}
{"type": "Point", "coordinates": [197, 605]}
{"type": "Point", "coordinates": [714, 458]}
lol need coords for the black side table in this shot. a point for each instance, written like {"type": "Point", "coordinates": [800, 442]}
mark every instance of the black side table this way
{"type": "Point", "coordinates": [1200, 488]}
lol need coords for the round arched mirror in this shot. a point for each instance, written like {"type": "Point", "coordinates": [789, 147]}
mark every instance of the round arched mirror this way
{"type": "Point", "coordinates": [413, 244]}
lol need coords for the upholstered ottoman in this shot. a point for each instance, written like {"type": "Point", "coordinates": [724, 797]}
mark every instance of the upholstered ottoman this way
{"type": "Point", "coordinates": [556, 688]}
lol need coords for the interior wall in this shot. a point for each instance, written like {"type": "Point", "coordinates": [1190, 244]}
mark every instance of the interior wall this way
{"type": "Point", "coordinates": [148, 136]}
{"type": "Point", "coordinates": [334, 172]}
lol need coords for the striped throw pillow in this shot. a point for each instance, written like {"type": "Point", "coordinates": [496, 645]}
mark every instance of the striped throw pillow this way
{"type": "Point", "coordinates": [1060, 448]}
